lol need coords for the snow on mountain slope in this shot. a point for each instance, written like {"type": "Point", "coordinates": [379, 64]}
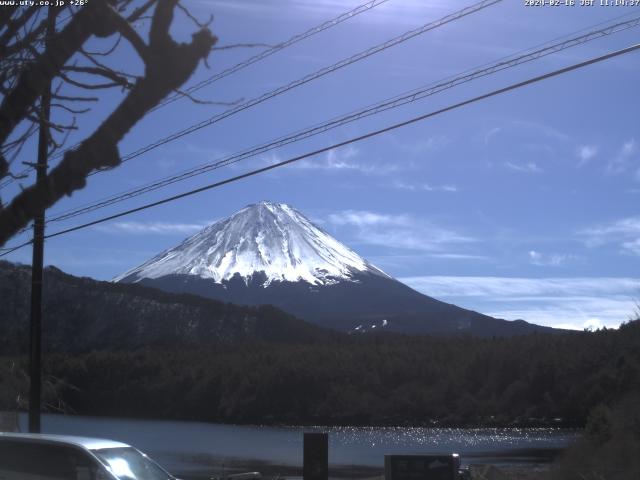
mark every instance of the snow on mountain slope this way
{"type": "Point", "coordinates": [273, 238]}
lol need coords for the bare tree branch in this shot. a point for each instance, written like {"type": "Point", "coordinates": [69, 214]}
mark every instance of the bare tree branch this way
{"type": "Point", "coordinates": [107, 52]}
{"type": "Point", "coordinates": [5, 15]}
{"type": "Point", "coordinates": [63, 45]}
{"type": "Point", "coordinates": [56, 145]}
{"type": "Point", "coordinates": [75, 99]}
{"type": "Point", "coordinates": [14, 26]}
{"type": "Point", "coordinates": [112, 75]}
{"type": "Point", "coordinates": [69, 109]}
{"type": "Point", "coordinates": [194, 19]}
{"type": "Point", "coordinates": [58, 127]}
{"type": "Point", "coordinates": [8, 50]}
{"type": "Point", "coordinates": [18, 176]}
{"type": "Point", "coordinates": [200, 101]}
{"type": "Point", "coordinates": [168, 66]}
{"type": "Point", "coordinates": [91, 58]}
{"type": "Point", "coordinates": [243, 45]}
{"type": "Point", "coordinates": [127, 31]}
{"type": "Point", "coordinates": [138, 12]}
{"type": "Point", "coordinates": [16, 146]}
{"type": "Point", "coordinates": [88, 86]}
{"type": "Point", "coordinates": [4, 166]}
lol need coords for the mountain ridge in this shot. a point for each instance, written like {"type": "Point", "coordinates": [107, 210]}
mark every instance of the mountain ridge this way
{"type": "Point", "coordinates": [268, 237]}
{"type": "Point", "coordinates": [83, 314]}
{"type": "Point", "coordinates": [269, 253]}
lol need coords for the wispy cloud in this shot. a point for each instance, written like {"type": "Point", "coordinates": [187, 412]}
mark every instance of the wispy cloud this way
{"type": "Point", "coordinates": [528, 167]}
{"type": "Point", "coordinates": [586, 153]}
{"type": "Point", "coordinates": [489, 134]}
{"type": "Point", "coordinates": [151, 228]}
{"type": "Point", "coordinates": [544, 129]}
{"type": "Point", "coordinates": [337, 160]}
{"type": "Point", "coordinates": [630, 147]}
{"type": "Point", "coordinates": [397, 12]}
{"type": "Point", "coordinates": [423, 238]}
{"type": "Point", "coordinates": [185, 154]}
{"type": "Point", "coordinates": [522, 287]}
{"type": "Point", "coordinates": [624, 226]}
{"type": "Point", "coordinates": [424, 187]}
{"type": "Point", "coordinates": [625, 232]}
{"type": "Point", "coordinates": [399, 231]}
{"type": "Point", "coordinates": [364, 218]}
{"type": "Point", "coordinates": [523, 146]}
{"type": "Point", "coordinates": [458, 256]}
{"type": "Point", "coordinates": [334, 159]}
{"type": "Point", "coordinates": [549, 259]}
{"type": "Point", "coordinates": [624, 159]}
{"type": "Point", "coordinates": [526, 127]}
{"type": "Point", "coordinates": [632, 246]}
{"type": "Point", "coordinates": [560, 302]}
{"type": "Point", "coordinates": [421, 146]}
{"type": "Point", "coordinates": [571, 313]}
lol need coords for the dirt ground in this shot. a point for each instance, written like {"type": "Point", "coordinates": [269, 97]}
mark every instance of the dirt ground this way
{"type": "Point", "coordinates": [511, 472]}
{"type": "Point", "coordinates": [477, 472]}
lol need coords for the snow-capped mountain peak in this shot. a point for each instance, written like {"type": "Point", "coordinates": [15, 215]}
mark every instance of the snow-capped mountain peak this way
{"type": "Point", "coordinates": [273, 238]}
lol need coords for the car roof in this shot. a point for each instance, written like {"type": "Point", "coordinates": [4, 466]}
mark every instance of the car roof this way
{"type": "Point", "coordinates": [85, 442]}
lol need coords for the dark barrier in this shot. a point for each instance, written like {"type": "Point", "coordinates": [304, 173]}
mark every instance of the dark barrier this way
{"type": "Point", "coordinates": [421, 467]}
{"type": "Point", "coordinates": [316, 456]}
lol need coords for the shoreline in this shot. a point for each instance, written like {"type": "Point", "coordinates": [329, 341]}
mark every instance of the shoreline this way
{"type": "Point", "coordinates": [199, 450]}
{"type": "Point", "coordinates": [526, 464]}
{"type": "Point", "coordinates": [329, 425]}
{"type": "Point", "coordinates": [476, 471]}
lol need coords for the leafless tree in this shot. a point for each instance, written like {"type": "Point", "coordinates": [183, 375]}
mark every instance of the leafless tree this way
{"type": "Point", "coordinates": [29, 59]}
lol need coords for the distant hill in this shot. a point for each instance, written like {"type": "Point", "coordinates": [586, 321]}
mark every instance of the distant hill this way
{"type": "Point", "coordinates": [525, 380]}
{"type": "Point", "coordinates": [81, 314]}
{"type": "Point", "coordinates": [367, 303]}
{"type": "Point", "coordinates": [270, 253]}
{"type": "Point", "coordinates": [128, 350]}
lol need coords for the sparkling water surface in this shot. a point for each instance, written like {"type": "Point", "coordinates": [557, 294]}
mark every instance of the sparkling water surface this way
{"type": "Point", "coordinates": [191, 445]}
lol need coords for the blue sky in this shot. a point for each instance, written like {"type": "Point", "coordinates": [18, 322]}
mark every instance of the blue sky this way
{"type": "Point", "coordinates": [521, 206]}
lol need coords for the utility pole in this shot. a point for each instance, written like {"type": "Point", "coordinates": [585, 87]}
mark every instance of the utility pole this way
{"type": "Point", "coordinates": [35, 351]}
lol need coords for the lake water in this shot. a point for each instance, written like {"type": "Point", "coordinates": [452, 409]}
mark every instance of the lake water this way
{"type": "Point", "coordinates": [193, 449]}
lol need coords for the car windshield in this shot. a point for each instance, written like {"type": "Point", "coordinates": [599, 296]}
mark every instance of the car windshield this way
{"type": "Point", "coordinates": [127, 463]}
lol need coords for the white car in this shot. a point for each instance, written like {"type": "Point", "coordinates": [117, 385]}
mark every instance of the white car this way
{"type": "Point", "coordinates": [31, 456]}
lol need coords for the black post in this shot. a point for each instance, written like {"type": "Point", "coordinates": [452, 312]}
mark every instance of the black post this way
{"type": "Point", "coordinates": [35, 351]}
{"type": "Point", "coordinates": [315, 464]}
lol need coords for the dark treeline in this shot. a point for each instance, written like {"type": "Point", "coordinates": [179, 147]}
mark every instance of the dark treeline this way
{"type": "Point", "coordinates": [609, 448]}
{"type": "Point", "coordinates": [83, 315]}
{"type": "Point", "coordinates": [385, 380]}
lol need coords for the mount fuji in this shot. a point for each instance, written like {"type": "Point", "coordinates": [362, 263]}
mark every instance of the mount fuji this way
{"type": "Point", "coordinates": [270, 253]}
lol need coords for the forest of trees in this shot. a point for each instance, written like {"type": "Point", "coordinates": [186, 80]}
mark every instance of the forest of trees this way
{"type": "Point", "coordinates": [84, 315]}
{"type": "Point", "coordinates": [537, 379]}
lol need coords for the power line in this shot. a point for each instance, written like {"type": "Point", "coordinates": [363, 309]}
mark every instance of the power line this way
{"type": "Point", "coordinates": [304, 80]}
{"type": "Point", "coordinates": [267, 53]}
{"type": "Point", "coordinates": [405, 123]}
{"type": "Point", "coordinates": [342, 144]}
{"type": "Point", "coordinates": [301, 81]}
{"type": "Point", "coordinates": [395, 102]}
{"type": "Point", "coordinates": [7, 251]}
{"type": "Point", "coordinates": [240, 66]}
{"type": "Point", "coordinates": [9, 180]}
{"type": "Point", "coordinates": [310, 77]}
